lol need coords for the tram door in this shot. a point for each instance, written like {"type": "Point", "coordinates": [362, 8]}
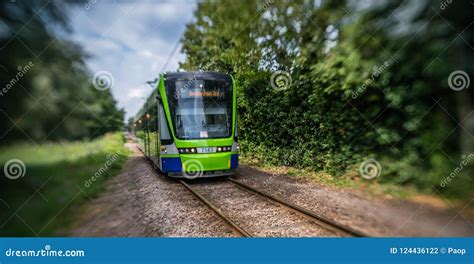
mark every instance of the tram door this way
{"type": "Point", "coordinates": [164, 133]}
{"type": "Point", "coordinates": [156, 135]}
{"type": "Point", "coordinates": [160, 114]}
{"type": "Point", "coordinates": [147, 135]}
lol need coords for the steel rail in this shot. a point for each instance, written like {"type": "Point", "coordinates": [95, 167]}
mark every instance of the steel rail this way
{"type": "Point", "coordinates": [216, 210]}
{"type": "Point", "coordinates": [320, 219]}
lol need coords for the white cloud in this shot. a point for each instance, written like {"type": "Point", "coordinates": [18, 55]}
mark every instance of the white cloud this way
{"type": "Point", "coordinates": [138, 92]}
{"type": "Point", "coordinates": [146, 53]}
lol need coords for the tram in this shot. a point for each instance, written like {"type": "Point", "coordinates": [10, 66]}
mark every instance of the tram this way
{"type": "Point", "coordinates": [188, 127]}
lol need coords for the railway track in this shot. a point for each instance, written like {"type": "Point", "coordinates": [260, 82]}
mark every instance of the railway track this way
{"type": "Point", "coordinates": [320, 220]}
{"type": "Point", "coordinates": [239, 230]}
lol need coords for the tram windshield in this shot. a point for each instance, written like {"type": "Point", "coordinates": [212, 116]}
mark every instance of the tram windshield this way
{"type": "Point", "coordinates": [200, 109]}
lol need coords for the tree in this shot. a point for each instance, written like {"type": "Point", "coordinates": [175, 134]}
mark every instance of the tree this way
{"type": "Point", "coordinates": [360, 83]}
{"type": "Point", "coordinates": [46, 86]}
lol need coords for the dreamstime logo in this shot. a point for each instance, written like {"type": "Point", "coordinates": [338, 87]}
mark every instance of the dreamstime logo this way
{"type": "Point", "coordinates": [280, 80]}
{"type": "Point", "coordinates": [47, 251]}
{"type": "Point", "coordinates": [266, 5]}
{"type": "Point", "coordinates": [464, 162]}
{"type": "Point", "coordinates": [192, 169]}
{"type": "Point", "coordinates": [370, 169]}
{"type": "Point", "coordinates": [458, 80]}
{"type": "Point", "coordinates": [103, 80]}
{"type": "Point", "coordinates": [376, 72]}
{"type": "Point", "coordinates": [89, 4]}
{"type": "Point", "coordinates": [22, 70]}
{"type": "Point", "coordinates": [292, 157]}
{"type": "Point", "coordinates": [14, 169]}
{"type": "Point", "coordinates": [445, 4]}
{"type": "Point", "coordinates": [268, 180]}
{"type": "Point", "coordinates": [110, 159]}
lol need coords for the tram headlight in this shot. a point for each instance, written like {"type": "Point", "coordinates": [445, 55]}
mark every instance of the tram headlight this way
{"type": "Point", "coordinates": [187, 150]}
{"type": "Point", "coordinates": [164, 149]}
{"type": "Point", "coordinates": [224, 149]}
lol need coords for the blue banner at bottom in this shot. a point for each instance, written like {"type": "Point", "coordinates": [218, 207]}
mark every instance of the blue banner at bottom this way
{"type": "Point", "coordinates": [236, 250]}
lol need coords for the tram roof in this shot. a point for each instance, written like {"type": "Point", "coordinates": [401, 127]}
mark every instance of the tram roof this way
{"type": "Point", "coordinates": [197, 75]}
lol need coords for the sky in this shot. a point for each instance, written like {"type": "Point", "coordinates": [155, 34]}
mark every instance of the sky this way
{"type": "Point", "coordinates": [132, 40]}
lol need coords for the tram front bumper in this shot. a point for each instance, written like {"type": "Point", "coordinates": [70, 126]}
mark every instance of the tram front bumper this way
{"type": "Point", "coordinates": [203, 165]}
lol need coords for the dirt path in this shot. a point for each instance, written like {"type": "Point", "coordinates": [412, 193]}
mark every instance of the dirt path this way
{"type": "Point", "coordinates": [140, 202]}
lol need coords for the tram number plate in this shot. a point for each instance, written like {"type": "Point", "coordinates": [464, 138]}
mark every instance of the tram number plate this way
{"type": "Point", "coordinates": [206, 150]}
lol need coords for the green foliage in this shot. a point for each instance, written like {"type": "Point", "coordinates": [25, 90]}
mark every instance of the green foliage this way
{"type": "Point", "coordinates": [55, 183]}
{"type": "Point", "coordinates": [361, 84]}
{"type": "Point", "coordinates": [46, 91]}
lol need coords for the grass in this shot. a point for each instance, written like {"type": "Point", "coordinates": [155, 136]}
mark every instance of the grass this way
{"type": "Point", "coordinates": [54, 185]}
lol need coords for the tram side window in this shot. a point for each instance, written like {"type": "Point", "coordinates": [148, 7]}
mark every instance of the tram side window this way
{"type": "Point", "coordinates": [155, 119]}
{"type": "Point", "coordinates": [140, 132]}
{"type": "Point", "coordinates": [164, 130]}
{"type": "Point", "coordinates": [152, 122]}
{"type": "Point", "coordinates": [152, 132]}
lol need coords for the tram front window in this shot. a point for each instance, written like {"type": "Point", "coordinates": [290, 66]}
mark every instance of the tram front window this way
{"type": "Point", "coordinates": [201, 109]}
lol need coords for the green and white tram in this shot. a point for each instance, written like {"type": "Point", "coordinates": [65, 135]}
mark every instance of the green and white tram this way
{"type": "Point", "coordinates": [188, 126]}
